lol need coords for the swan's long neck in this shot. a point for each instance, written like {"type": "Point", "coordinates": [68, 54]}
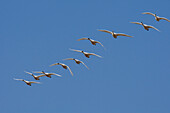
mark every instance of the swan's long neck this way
{"type": "Point", "coordinates": [33, 75]}
{"type": "Point", "coordinates": [142, 24]}
{"type": "Point", "coordinates": [43, 72]}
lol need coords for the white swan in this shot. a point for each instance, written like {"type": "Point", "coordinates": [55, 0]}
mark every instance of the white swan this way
{"type": "Point", "coordinates": [115, 34]}
{"type": "Point", "coordinates": [35, 77]}
{"type": "Point", "coordinates": [86, 53]}
{"type": "Point", "coordinates": [64, 66]}
{"type": "Point", "coordinates": [27, 82]}
{"type": "Point", "coordinates": [157, 18]}
{"type": "Point", "coordinates": [48, 74]}
{"type": "Point", "coordinates": [91, 40]}
{"type": "Point", "coordinates": [77, 61]}
{"type": "Point", "coordinates": [146, 27]}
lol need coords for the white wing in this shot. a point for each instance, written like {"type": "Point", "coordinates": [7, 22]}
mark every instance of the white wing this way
{"type": "Point", "coordinates": [54, 64]}
{"type": "Point", "coordinates": [68, 59]}
{"type": "Point", "coordinates": [94, 55]}
{"type": "Point", "coordinates": [149, 13]}
{"type": "Point", "coordinates": [55, 74]}
{"type": "Point", "coordinates": [82, 39]}
{"type": "Point", "coordinates": [28, 72]}
{"type": "Point", "coordinates": [19, 79]}
{"type": "Point", "coordinates": [136, 23]}
{"type": "Point", "coordinates": [37, 72]}
{"type": "Point", "coordinates": [76, 50]}
{"type": "Point", "coordinates": [163, 18]}
{"type": "Point", "coordinates": [41, 75]}
{"type": "Point", "coordinates": [34, 82]}
{"type": "Point", "coordinates": [84, 65]}
{"type": "Point", "coordinates": [153, 28]}
{"type": "Point", "coordinates": [106, 31]}
{"type": "Point", "coordinates": [99, 43]}
{"type": "Point", "coordinates": [70, 70]}
{"type": "Point", "coordinates": [121, 34]}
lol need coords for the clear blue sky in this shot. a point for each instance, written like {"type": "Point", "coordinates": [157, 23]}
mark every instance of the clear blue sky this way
{"type": "Point", "coordinates": [133, 76]}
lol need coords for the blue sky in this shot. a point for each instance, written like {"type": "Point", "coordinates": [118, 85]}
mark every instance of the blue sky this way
{"type": "Point", "coordinates": [133, 76]}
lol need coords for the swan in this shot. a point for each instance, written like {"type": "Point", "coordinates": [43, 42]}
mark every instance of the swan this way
{"type": "Point", "coordinates": [77, 61]}
{"type": "Point", "coordinates": [48, 74]}
{"type": "Point", "coordinates": [64, 66]}
{"type": "Point", "coordinates": [35, 77]}
{"type": "Point", "coordinates": [91, 40]}
{"type": "Point", "coordinates": [157, 18]}
{"type": "Point", "coordinates": [115, 34]}
{"type": "Point", "coordinates": [27, 82]}
{"type": "Point", "coordinates": [86, 53]}
{"type": "Point", "coordinates": [146, 27]}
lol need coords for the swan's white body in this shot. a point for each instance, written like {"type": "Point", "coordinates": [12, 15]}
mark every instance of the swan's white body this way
{"type": "Point", "coordinates": [86, 53]}
{"type": "Point", "coordinates": [64, 66]}
{"type": "Point", "coordinates": [77, 61]}
{"type": "Point", "coordinates": [146, 27]}
{"type": "Point", "coordinates": [91, 40]}
{"type": "Point", "coordinates": [115, 34]}
{"type": "Point", "coordinates": [27, 82]}
{"type": "Point", "coordinates": [48, 74]}
{"type": "Point", "coordinates": [157, 18]}
{"type": "Point", "coordinates": [35, 77]}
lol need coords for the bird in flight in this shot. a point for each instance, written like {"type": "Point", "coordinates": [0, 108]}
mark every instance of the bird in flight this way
{"type": "Point", "coordinates": [27, 82]}
{"type": "Point", "coordinates": [146, 27]}
{"type": "Point", "coordinates": [157, 18]}
{"type": "Point", "coordinates": [77, 61]}
{"type": "Point", "coordinates": [35, 77]}
{"type": "Point", "coordinates": [64, 66]}
{"type": "Point", "coordinates": [86, 53]}
{"type": "Point", "coordinates": [91, 40]}
{"type": "Point", "coordinates": [48, 74]}
{"type": "Point", "coordinates": [115, 34]}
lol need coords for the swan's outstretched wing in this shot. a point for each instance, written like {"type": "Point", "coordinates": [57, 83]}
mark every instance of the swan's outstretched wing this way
{"type": "Point", "coordinates": [121, 34]}
{"type": "Point", "coordinates": [69, 59]}
{"type": "Point", "coordinates": [55, 74]}
{"type": "Point", "coordinates": [149, 13]}
{"type": "Point", "coordinates": [76, 50]}
{"type": "Point", "coordinates": [41, 75]}
{"type": "Point", "coordinates": [153, 28]}
{"type": "Point", "coordinates": [99, 43]}
{"type": "Point", "coordinates": [106, 31]}
{"type": "Point", "coordinates": [163, 18]}
{"type": "Point", "coordinates": [54, 64]}
{"type": "Point", "coordinates": [19, 79]}
{"type": "Point", "coordinates": [84, 65]}
{"type": "Point", "coordinates": [94, 55]}
{"type": "Point", "coordinates": [34, 82]}
{"type": "Point", "coordinates": [136, 23]}
{"type": "Point", "coordinates": [37, 72]}
{"type": "Point", "coordinates": [82, 39]}
{"type": "Point", "coordinates": [70, 70]}
{"type": "Point", "coordinates": [28, 72]}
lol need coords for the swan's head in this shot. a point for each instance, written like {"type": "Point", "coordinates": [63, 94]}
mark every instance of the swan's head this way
{"type": "Point", "coordinates": [88, 38]}
{"type": "Point", "coordinates": [73, 58]}
{"type": "Point", "coordinates": [82, 51]}
{"type": "Point", "coordinates": [142, 23]}
{"type": "Point", "coordinates": [43, 72]}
